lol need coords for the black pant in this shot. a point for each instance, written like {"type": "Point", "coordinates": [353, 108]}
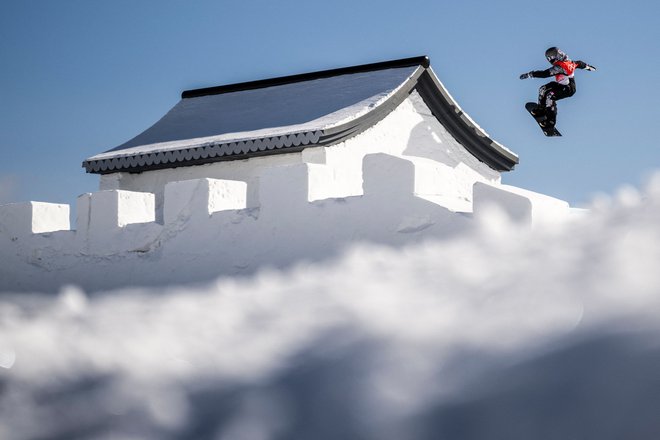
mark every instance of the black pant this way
{"type": "Point", "coordinates": [552, 92]}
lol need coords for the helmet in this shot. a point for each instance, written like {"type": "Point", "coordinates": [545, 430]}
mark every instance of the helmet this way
{"type": "Point", "coordinates": [555, 54]}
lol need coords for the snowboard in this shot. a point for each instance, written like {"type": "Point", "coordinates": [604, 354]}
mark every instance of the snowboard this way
{"type": "Point", "coordinates": [548, 131]}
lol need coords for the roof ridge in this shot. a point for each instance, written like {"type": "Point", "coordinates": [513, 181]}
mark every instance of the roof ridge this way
{"type": "Point", "coordinates": [290, 79]}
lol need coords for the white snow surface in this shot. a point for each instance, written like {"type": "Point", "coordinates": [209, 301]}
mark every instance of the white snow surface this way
{"type": "Point", "coordinates": [496, 333]}
{"type": "Point", "coordinates": [272, 111]}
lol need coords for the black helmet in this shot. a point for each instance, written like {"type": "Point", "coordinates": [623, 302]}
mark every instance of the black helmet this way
{"type": "Point", "coordinates": [555, 54]}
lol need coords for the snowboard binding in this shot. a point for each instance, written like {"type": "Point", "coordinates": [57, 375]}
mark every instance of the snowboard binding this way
{"type": "Point", "coordinates": [540, 117]}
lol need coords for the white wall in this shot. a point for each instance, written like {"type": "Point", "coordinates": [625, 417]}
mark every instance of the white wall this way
{"type": "Point", "coordinates": [209, 229]}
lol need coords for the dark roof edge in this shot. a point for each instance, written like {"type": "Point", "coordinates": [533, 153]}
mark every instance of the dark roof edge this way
{"type": "Point", "coordinates": [259, 84]}
{"type": "Point", "coordinates": [461, 127]}
{"type": "Point", "coordinates": [205, 153]}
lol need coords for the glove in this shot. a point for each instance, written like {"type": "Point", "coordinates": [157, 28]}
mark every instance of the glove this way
{"type": "Point", "coordinates": [525, 75]}
{"type": "Point", "coordinates": [590, 68]}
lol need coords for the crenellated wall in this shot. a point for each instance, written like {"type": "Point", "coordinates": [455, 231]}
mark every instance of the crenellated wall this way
{"type": "Point", "coordinates": [209, 228]}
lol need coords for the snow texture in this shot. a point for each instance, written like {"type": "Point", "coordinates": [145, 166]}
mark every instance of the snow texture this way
{"type": "Point", "coordinates": [495, 332]}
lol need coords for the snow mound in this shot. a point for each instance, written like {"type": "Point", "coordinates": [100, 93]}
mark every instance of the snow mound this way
{"type": "Point", "coordinates": [497, 333]}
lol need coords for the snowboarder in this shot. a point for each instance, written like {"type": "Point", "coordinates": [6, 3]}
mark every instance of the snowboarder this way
{"type": "Point", "coordinates": [545, 112]}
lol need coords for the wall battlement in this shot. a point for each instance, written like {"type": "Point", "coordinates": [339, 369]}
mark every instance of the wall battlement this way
{"type": "Point", "coordinates": [208, 224]}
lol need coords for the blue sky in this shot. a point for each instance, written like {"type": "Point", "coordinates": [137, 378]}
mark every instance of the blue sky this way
{"type": "Point", "coordinates": [81, 76]}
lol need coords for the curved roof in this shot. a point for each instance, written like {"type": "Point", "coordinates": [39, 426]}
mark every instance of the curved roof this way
{"type": "Point", "coordinates": [288, 114]}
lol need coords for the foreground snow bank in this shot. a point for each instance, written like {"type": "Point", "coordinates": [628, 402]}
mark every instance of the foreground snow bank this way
{"type": "Point", "coordinates": [499, 333]}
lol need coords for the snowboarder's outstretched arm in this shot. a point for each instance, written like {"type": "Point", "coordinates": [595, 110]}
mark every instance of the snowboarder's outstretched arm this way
{"type": "Point", "coordinates": [555, 70]}
{"type": "Point", "coordinates": [583, 65]}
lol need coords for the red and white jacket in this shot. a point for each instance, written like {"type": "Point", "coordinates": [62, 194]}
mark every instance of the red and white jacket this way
{"type": "Point", "coordinates": [563, 71]}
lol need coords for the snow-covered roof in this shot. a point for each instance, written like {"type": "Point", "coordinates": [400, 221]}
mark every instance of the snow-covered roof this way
{"type": "Point", "coordinates": [288, 114]}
